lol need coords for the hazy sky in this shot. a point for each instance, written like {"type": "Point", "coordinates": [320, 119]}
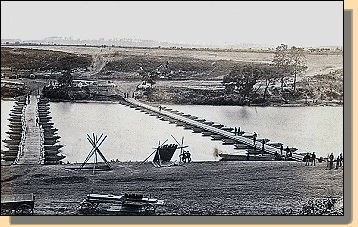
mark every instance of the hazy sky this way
{"type": "Point", "coordinates": [217, 23]}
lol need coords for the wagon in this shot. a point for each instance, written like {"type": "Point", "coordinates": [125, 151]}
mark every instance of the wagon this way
{"type": "Point", "coordinates": [17, 204]}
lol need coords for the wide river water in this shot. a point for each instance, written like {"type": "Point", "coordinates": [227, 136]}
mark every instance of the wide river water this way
{"type": "Point", "coordinates": [132, 135]}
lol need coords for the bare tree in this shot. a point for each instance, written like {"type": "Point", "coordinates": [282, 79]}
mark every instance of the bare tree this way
{"type": "Point", "coordinates": [269, 74]}
{"type": "Point", "coordinates": [297, 63]}
{"type": "Point", "coordinates": [281, 60]}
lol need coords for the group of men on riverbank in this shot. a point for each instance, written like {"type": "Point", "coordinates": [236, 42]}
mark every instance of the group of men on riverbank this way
{"type": "Point", "coordinates": [338, 160]}
{"type": "Point", "coordinates": [310, 159]}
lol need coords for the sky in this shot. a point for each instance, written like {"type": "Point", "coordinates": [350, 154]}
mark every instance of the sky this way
{"type": "Point", "coordinates": [205, 23]}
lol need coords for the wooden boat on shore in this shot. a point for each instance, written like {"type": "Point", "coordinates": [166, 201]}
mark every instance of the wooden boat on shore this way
{"type": "Point", "coordinates": [245, 157]}
{"type": "Point", "coordinates": [20, 103]}
{"type": "Point", "coordinates": [11, 141]}
{"type": "Point", "coordinates": [216, 137]}
{"type": "Point", "coordinates": [179, 123]}
{"type": "Point", "coordinates": [164, 153]}
{"type": "Point", "coordinates": [193, 117]}
{"type": "Point", "coordinates": [15, 136]}
{"type": "Point", "coordinates": [261, 140]}
{"type": "Point", "coordinates": [248, 136]}
{"type": "Point", "coordinates": [122, 204]}
{"type": "Point", "coordinates": [217, 125]}
{"type": "Point", "coordinates": [40, 109]}
{"type": "Point", "coordinates": [53, 147]}
{"type": "Point", "coordinates": [171, 121]}
{"type": "Point", "coordinates": [12, 146]}
{"type": "Point", "coordinates": [15, 115]}
{"type": "Point", "coordinates": [15, 121]}
{"type": "Point", "coordinates": [43, 104]}
{"type": "Point", "coordinates": [15, 118]}
{"type": "Point", "coordinates": [8, 158]}
{"type": "Point", "coordinates": [16, 132]}
{"type": "Point", "coordinates": [16, 112]}
{"type": "Point", "coordinates": [47, 126]}
{"type": "Point", "coordinates": [228, 129]}
{"type": "Point", "coordinates": [50, 142]}
{"type": "Point", "coordinates": [15, 125]}
{"type": "Point", "coordinates": [46, 123]}
{"type": "Point", "coordinates": [197, 130]}
{"type": "Point", "coordinates": [48, 137]}
{"type": "Point", "coordinates": [52, 152]}
{"type": "Point", "coordinates": [9, 153]}
{"type": "Point", "coordinates": [277, 145]}
{"type": "Point", "coordinates": [45, 117]}
{"type": "Point", "coordinates": [228, 141]}
{"type": "Point", "coordinates": [241, 146]}
{"type": "Point", "coordinates": [54, 158]}
{"type": "Point", "coordinates": [206, 133]}
{"type": "Point", "coordinates": [50, 129]}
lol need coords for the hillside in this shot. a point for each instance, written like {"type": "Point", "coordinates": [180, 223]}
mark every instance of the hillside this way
{"type": "Point", "coordinates": [31, 59]}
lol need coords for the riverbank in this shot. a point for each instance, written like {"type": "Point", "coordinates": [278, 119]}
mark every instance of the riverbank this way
{"type": "Point", "coordinates": [205, 188]}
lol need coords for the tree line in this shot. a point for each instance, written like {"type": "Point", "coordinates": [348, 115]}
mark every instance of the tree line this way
{"type": "Point", "coordinates": [287, 62]}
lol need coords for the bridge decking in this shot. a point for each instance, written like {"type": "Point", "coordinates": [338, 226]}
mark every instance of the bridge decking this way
{"type": "Point", "coordinates": [30, 153]}
{"type": "Point", "coordinates": [227, 135]}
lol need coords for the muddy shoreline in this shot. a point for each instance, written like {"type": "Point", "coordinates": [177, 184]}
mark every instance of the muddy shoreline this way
{"type": "Point", "coordinates": [198, 188]}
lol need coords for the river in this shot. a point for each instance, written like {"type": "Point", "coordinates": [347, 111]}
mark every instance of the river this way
{"type": "Point", "coordinates": [132, 135]}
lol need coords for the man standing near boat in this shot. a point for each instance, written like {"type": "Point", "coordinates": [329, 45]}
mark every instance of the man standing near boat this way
{"type": "Point", "coordinates": [307, 159]}
{"type": "Point", "coordinates": [331, 157]}
{"type": "Point", "coordinates": [263, 147]}
{"type": "Point", "coordinates": [313, 159]}
{"type": "Point", "coordinates": [340, 159]}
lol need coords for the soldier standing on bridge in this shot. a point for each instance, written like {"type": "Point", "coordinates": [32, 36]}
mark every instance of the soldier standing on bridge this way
{"type": "Point", "coordinates": [235, 131]}
{"type": "Point", "coordinates": [254, 136]}
{"type": "Point", "coordinates": [263, 146]}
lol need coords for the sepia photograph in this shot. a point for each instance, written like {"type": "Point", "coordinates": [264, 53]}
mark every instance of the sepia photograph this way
{"type": "Point", "coordinates": [172, 108]}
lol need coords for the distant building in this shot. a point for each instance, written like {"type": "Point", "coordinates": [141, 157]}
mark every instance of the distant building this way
{"type": "Point", "coordinates": [12, 84]}
{"type": "Point", "coordinates": [53, 83]}
{"type": "Point", "coordinates": [144, 85]}
{"type": "Point", "coordinates": [83, 83]}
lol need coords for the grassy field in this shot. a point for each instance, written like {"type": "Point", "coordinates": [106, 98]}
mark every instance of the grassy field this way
{"type": "Point", "coordinates": [317, 63]}
{"type": "Point", "coordinates": [221, 188]}
{"type": "Point", "coordinates": [185, 75]}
